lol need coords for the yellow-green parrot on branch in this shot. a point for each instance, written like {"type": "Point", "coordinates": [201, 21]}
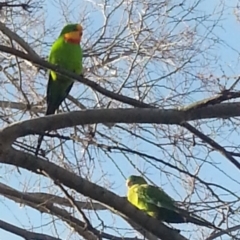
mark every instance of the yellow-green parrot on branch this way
{"type": "Point", "coordinates": [156, 203]}
{"type": "Point", "coordinates": [66, 52]}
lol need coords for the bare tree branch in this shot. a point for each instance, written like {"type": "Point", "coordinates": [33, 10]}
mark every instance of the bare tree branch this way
{"type": "Point", "coordinates": [23, 198]}
{"type": "Point", "coordinates": [170, 116]}
{"type": "Point", "coordinates": [109, 199]}
{"type": "Point", "coordinates": [219, 234]}
{"type": "Point", "coordinates": [48, 207]}
{"type": "Point", "coordinates": [28, 235]}
{"type": "Point", "coordinates": [19, 197]}
{"type": "Point", "coordinates": [13, 36]}
{"type": "Point", "coordinates": [212, 143]}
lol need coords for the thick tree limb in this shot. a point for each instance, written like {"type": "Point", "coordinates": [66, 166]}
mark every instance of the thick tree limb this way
{"type": "Point", "coordinates": [82, 186]}
{"type": "Point", "coordinates": [49, 208]}
{"type": "Point", "coordinates": [22, 198]}
{"type": "Point", "coordinates": [169, 116]}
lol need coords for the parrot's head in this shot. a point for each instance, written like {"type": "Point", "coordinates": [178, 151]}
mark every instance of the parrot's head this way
{"type": "Point", "coordinates": [72, 33]}
{"type": "Point", "coordinates": [132, 180]}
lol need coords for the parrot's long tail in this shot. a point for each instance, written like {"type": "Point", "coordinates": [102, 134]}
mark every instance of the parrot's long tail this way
{"type": "Point", "coordinates": [196, 219]}
{"type": "Point", "coordinates": [170, 216]}
{"type": "Point", "coordinates": [50, 110]}
{"type": "Point", "coordinates": [181, 216]}
{"type": "Point", "coordinates": [40, 139]}
{"type": "Point", "coordinates": [199, 222]}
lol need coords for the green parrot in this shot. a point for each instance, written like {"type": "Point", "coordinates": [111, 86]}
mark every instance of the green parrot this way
{"type": "Point", "coordinates": [66, 52]}
{"type": "Point", "coordinates": [158, 204]}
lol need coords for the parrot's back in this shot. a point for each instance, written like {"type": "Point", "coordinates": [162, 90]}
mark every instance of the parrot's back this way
{"type": "Point", "coordinates": [154, 202]}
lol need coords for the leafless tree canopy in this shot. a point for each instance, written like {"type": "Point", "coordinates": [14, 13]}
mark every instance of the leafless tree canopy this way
{"type": "Point", "coordinates": [158, 98]}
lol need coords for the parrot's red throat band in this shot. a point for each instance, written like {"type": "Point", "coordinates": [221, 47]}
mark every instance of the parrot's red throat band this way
{"type": "Point", "coordinates": [73, 41]}
{"type": "Point", "coordinates": [73, 37]}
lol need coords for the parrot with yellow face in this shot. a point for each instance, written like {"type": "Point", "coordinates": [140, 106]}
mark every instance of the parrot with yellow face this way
{"type": "Point", "coordinates": [66, 52]}
{"type": "Point", "coordinates": [158, 204]}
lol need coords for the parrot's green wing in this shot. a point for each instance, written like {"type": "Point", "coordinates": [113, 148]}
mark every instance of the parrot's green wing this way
{"type": "Point", "coordinates": [155, 196]}
{"type": "Point", "coordinates": [56, 95]}
{"type": "Point", "coordinates": [166, 207]}
{"type": "Point", "coordinates": [154, 201]}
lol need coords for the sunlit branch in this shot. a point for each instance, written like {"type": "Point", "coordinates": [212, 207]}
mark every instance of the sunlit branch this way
{"type": "Point", "coordinates": [82, 186]}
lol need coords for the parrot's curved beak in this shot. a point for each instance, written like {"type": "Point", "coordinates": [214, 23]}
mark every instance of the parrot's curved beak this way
{"type": "Point", "coordinates": [80, 30]}
{"type": "Point", "coordinates": [128, 183]}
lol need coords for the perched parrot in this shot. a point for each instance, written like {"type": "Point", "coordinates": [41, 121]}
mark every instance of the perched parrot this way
{"type": "Point", "coordinates": [156, 203]}
{"type": "Point", "coordinates": [66, 52]}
